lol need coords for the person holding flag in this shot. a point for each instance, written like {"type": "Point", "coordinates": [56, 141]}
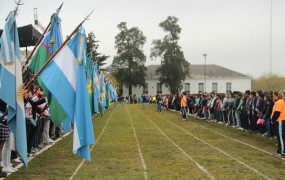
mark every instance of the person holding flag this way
{"type": "Point", "coordinates": [49, 45]}
{"type": "Point", "coordinates": [11, 84]}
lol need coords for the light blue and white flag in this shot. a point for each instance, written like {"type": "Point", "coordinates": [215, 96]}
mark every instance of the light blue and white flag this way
{"type": "Point", "coordinates": [65, 78]}
{"type": "Point", "coordinates": [11, 84]}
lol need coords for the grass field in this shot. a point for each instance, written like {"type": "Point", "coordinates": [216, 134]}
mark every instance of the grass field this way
{"type": "Point", "coordinates": [136, 143]}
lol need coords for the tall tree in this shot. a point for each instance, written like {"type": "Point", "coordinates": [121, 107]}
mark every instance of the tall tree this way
{"type": "Point", "coordinates": [174, 67]}
{"type": "Point", "coordinates": [130, 59]}
{"type": "Point", "coordinates": [92, 47]}
{"type": "Point", "coordinates": [268, 82]}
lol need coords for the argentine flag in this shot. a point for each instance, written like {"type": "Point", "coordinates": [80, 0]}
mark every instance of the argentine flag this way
{"type": "Point", "coordinates": [11, 84]}
{"type": "Point", "coordinates": [65, 78]}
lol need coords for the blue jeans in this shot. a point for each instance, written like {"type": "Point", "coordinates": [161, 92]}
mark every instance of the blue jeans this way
{"type": "Point", "coordinates": [206, 113]}
{"type": "Point", "coordinates": [268, 126]}
{"type": "Point", "coordinates": [158, 107]}
{"type": "Point", "coordinates": [237, 114]}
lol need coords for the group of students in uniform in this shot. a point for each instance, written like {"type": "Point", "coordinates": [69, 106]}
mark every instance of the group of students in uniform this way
{"type": "Point", "coordinates": [256, 112]}
{"type": "Point", "coordinates": [39, 128]}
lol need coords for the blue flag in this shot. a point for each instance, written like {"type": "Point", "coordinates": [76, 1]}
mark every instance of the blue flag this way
{"type": "Point", "coordinates": [67, 70]}
{"type": "Point", "coordinates": [11, 84]}
{"type": "Point", "coordinates": [96, 92]}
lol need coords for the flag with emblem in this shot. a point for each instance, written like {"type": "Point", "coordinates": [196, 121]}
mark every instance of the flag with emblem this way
{"type": "Point", "coordinates": [49, 45]}
{"type": "Point", "coordinates": [11, 84]}
{"type": "Point", "coordinates": [89, 77]}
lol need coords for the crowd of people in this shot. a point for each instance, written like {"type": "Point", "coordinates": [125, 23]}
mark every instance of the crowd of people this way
{"type": "Point", "coordinates": [257, 112]}
{"type": "Point", "coordinates": [40, 129]}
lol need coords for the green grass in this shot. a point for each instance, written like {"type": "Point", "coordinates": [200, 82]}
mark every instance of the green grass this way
{"type": "Point", "coordinates": [116, 155]}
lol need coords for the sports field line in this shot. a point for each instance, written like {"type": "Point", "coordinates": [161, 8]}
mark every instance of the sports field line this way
{"type": "Point", "coordinates": [82, 162]}
{"type": "Point", "coordinates": [244, 143]}
{"type": "Point", "coordinates": [139, 148]}
{"type": "Point", "coordinates": [202, 168]}
{"type": "Point", "coordinates": [221, 151]}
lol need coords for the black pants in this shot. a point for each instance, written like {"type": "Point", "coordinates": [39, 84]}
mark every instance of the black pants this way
{"type": "Point", "coordinates": [31, 133]}
{"type": "Point", "coordinates": [253, 120]}
{"type": "Point", "coordinates": [244, 120]}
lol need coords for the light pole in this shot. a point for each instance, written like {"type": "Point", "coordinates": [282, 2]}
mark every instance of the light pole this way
{"type": "Point", "coordinates": [205, 71]}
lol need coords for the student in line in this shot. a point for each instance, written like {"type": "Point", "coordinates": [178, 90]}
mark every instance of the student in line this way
{"type": "Point", "coordinates": [278, 116]}
{"type": "Point", "coordinates": [158, 103]}
{"type": "Point", "coordinates": [184, 106]}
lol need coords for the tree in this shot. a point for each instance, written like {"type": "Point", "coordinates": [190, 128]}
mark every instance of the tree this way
{"type": "Point", "coordinates": [174, 68]}
{"type": "Point", "coordinates": [269, 82]}
{"type": "Point", "coordinates": [92, 47]}
{"type": "Point", "coordinates": [130, 59]}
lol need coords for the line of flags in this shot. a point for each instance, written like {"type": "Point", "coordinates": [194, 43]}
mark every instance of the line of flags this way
{"type": "Point", "coordinates": [72, 83]}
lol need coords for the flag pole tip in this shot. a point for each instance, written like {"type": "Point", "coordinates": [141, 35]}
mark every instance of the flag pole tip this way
{"type": "Point", "coordinates": [87, 17]}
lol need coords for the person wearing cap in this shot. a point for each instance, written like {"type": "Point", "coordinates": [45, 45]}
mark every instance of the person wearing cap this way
{"type": "Point", "coordinates": [278, 116]}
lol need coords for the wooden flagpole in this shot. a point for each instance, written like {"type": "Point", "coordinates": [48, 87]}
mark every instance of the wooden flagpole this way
{"type": "Point", "coordinates": [51, 58]}
{"type": "Point", "coordinates": [40, 39]}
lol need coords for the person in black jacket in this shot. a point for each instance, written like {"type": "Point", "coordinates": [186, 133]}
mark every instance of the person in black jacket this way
{"type": "Point", "coordinates": [269, 126]}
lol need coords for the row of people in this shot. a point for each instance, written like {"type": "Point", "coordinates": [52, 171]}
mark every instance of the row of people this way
{"type": "Point", "coordinates": [40, 129]}
{"type": "Point", "coordinates": [256, 112]}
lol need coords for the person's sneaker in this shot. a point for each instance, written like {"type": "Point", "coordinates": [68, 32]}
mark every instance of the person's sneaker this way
{"type": "Point", "coordinates": [278, 155]}
{"type": "Point", "coordinates": [7, 170]}
{"type": "Point", "coordinates": [35, 150]}
{"type": "Point", "coordinates": [41, 146]}
{"type": "Point", "coordinates": [2, 174]}
{"type": "Point", "coordinates": [17, 160]}
{"type": "Point", "coordinates": [15, 169]}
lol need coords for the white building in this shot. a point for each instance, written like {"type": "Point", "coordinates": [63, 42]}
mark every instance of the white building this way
{"type": "Point", "coordinates": [218, 79]}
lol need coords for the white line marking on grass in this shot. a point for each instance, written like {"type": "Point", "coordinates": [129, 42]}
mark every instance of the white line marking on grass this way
{"type": "Point", "coordinates": [246, 165]}
{"type": "Point", "coordinates": [189, 157]}
{"type": "Point", "coordinates": [203, 127]}
{"type": "Point", "coordinates": [42, 150]}
{"type": "Point", "coordinates": [139, 148]}
{"type": "Point", "coordinates": [82, 162]}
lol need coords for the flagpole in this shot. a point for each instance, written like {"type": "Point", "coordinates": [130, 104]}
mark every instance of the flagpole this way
{"type": "Point", "coordinates": [40, 39]}
{"type": "Point", "coordinates": [51, 58]}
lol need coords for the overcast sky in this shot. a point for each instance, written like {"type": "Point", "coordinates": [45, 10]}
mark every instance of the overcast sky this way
{"type": "Point", "coordinates": [234, 33]}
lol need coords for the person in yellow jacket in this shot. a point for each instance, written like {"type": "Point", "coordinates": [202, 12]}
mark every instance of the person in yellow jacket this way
{"type": "Point", "coordinates": [184, 106]}
{"type": "Point", "coordinates": [278, 116]}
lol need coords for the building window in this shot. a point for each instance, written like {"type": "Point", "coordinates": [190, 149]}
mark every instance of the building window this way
{"type": "Point", "coordinates": [229, 87]}
{"type": "Point", "coordinates": [145, 88]}
{"type": "Point", "coordinates": [187, 87]}
{"type": "Point", "coordinates": [159, 88]}
{"type": "Point", "coordinates": [215, 87]}
{"type": "Point", "coordinates": [201, 87]}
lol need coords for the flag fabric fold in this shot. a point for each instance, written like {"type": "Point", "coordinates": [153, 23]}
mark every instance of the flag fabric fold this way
{"type": "Point", "coordinates": [96, 92]}
{"type": "Point", "coordinates": [89, 80]}
{"type": "Point", "coordinates": [11, 84]}
{"type": "Point", "coordinates": [102, 101]}
{"type": "Point", "coordinates": [65, 78]}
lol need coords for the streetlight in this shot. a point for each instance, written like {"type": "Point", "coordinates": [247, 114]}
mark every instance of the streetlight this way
{"type": "Point", "coordinates": [205, 74]}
